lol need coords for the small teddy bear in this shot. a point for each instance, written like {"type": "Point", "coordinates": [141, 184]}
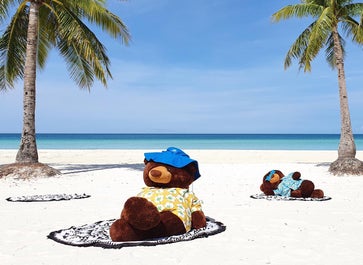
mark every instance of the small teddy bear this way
{"type": "Point", "coordinates": [275, 183]}
{"type": "Point", "coordinates": [165, 206]}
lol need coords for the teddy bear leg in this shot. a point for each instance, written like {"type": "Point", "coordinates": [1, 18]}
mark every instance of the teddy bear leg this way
{"type": "Point", "coordinates": [198, 220]}
{"type": "Point", "coordinates": [170, 224]}
{"type": "Point", "coordinates": [306, 188]}
{"type": "Point", "coordinates": [120, 231]}
{"type": "Point", "coordinates": [317, 194]}
{"type": "Point", "coordinates": [140, 213]}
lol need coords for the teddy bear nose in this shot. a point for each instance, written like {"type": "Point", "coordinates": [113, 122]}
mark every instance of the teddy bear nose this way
{"type": "Point", "coordinates": [155, 173]}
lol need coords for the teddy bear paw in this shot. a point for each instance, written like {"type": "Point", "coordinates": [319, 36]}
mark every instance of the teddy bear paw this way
{"type": "Point", "coordinates": [317, 194]}
{"type": "Point", "coordinates": [140, 213]}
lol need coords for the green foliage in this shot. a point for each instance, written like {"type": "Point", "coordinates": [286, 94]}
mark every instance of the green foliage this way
{"type": "Point", "coordinates": [12, 48]}
{"type": "Point", "coordinates": [62, 25]}
{"type": "Point", "coordinates": [329, 16]}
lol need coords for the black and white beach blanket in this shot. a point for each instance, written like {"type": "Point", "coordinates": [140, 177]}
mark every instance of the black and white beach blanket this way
{"type": "Point", "coordinates": [284, 198]}
{"type": "Point", "coordinates": [47, 197]}
{"type": "Point", "coordinates": [97, 235]}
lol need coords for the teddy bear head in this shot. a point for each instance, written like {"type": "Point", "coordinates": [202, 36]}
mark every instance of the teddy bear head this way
{"type": "Point", "coordinates": [273, 177]}
{"type": "Point", "coordinates": [170, 169]}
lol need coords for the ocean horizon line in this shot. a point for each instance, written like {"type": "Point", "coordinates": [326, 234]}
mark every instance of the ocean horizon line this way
{"type": "Point", "coordinates": [263, 141]}
{"type": "Point", "coordinates": [173, 133]}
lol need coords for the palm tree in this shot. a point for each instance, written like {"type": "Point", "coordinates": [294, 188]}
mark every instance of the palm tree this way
{"type": "Point", "coordinates": [35, 28]}
{"type": "Point", "coordinates": [331, 17]}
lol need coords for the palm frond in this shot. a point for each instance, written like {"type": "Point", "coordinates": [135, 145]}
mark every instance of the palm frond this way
{"type": "Point", "coordinates": [47, 34]}
{"type": "Point", "coordinates": [297, 48]}
{"type": "Point", "coordinates": [84, 53]}
{"type": "Point", "coordinates": [353, 10]}
{"type": "Point", "coordinates": [80, 70]}
{"type": "Point", "coordinates": [329, 51]}
{"type": "Point", "coordinates": [13, 49]}
{"type": "Point", "coordinates": [320, 32]}
{"type": "Point", "coordinates": [353, 29]}
{"type": "Point", "coordinates": [95, 12]}
{"type": "Point", "coordinates": [4, 9]}
{"type": "Point", "coordinates": [3, 12]}
{"type": "Point", "coordinates": [298, 10]}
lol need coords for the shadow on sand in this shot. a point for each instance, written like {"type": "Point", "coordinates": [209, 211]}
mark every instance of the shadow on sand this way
{"type": "Point", "coordinates": [80, 168]}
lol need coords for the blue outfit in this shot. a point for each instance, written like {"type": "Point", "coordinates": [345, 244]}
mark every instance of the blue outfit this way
{"type": "Point", "coordinates": [287, 184]}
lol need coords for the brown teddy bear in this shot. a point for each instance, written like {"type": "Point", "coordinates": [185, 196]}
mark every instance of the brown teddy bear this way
{"type": "Point", "coordinates": [275, 183]}
{"type": "Point", "coordinates": [165, 206]}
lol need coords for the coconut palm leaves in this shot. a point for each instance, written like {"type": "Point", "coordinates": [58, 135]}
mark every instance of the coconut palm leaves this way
{"type": "Point", "coordinates": [12, 47]}
{"type": "Point", "coordinates": [61, 26]}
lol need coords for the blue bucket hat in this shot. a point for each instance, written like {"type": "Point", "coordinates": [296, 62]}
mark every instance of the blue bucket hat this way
{"type": "Point", "coordinates": [174, 157]}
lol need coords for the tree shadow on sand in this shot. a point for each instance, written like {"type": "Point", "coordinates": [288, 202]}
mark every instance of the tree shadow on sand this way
{"type": "Point", "coordinates": [81, 168]}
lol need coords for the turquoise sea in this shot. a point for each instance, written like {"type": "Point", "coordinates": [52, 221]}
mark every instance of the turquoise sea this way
{"type": "Point", "coordinates": [184, 141]}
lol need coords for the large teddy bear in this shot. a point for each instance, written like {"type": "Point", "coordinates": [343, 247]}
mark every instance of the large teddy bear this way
{"type": "Point", "coordinates": [165, 206]}
{"type": "Point", "coordinates": [275, 182]}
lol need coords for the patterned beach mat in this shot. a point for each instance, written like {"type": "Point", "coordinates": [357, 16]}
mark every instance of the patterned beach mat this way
{"type": "Point", "coordinates": [284, 198]}
{"type": "Point", "coordinates": [97, 235]}
{"type": "Point", "coordinates": [47, 197]}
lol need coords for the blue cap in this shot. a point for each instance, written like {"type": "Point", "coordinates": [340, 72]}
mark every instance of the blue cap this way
{"type": "Point", "coordinates": [174, 157]}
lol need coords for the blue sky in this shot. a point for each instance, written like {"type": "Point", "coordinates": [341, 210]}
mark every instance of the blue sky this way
{"type": "Point", "coordinates": [196, 66]}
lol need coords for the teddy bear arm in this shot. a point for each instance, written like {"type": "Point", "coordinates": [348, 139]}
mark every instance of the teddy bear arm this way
{"type": "Point", "coordinates": [296, 194]}
{"type": "Point", "coordinates": [198, 220]}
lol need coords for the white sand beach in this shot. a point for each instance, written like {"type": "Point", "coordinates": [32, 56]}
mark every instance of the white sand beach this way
{"type": "Point", "coordinates": [258, 231]}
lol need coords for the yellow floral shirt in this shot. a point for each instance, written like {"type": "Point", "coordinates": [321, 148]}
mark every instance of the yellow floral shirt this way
{"type": "Point", "coordinates": [181, 202]}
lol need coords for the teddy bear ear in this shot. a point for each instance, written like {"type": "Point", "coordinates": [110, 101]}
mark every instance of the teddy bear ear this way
{"type": "Point", "coordinates": [192, 168]}
{"type": "Point", "coordinates": [268, 175]}
{"type": "Point", "coordinates": [296, 175]}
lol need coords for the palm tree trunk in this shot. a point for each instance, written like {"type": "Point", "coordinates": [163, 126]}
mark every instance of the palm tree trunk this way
{"type": "Point", "coordinates": [28, 148]}
{"type": "Point", "coordinates": [346, 162]}
{"type": "Point", "coordinates": [347, 148]}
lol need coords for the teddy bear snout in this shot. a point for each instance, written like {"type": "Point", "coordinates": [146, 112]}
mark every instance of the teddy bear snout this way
{"type": "Point", "coordinates": [160, 174]}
